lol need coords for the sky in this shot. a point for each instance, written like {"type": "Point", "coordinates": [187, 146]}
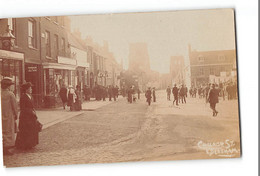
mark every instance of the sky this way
{"type": "Point", "coordinates": [166, 33]}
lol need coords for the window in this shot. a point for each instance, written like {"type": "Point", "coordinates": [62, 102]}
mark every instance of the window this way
{"type": "Point", "coordinates": [31, 34]}
{"type": "Point", "coordinates": [201, 59]}
{"type": "Point", "coordinates": [212, 71]}
{"type": "Point", "coordinates": [48, 43]}
{"type": "Point", "coordinates": [201, 71]}
{"type": "Point", "coordinates": [55, 19]}
{"type": "Point", "coordinates": [56, 45]}
{"type": "Point", "coordinates": [63, 46]}
{"type": "Point", "coordinates": [221, 58]}
{"type": "Point", "coordinates": [62, 21]}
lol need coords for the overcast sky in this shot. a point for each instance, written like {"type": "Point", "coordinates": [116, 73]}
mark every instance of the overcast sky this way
{"type": "Point", "coordinates": [166, 33]}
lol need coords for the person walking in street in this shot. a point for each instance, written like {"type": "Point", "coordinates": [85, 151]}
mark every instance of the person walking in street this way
{"type": "Point", "coordinates": [185, 91]}
{"type": "Point", "coordinates": [78, 99]}
{"type": "Point", "coordinates": [206, 92]}
{"type": "Point", "coordinates": [168, 91]}
{"type": "Point", "coordinates": [154, 97]}
{"type": "Point", "coordinates": [115, 92]}
{"type": "Point", "coordinates": [110, 92]}
{"type": "Point", "coordinates": [71, 98]}
{"type": "Point", "coordinates": [148, 95]}
{"type": "Point", "coordinates": [64, 95]}
{"type": "Point", "coordinates": [213, 99]}
{"type": "Point", "coordinates": [28, 135]}
{"type": "Point", "coordinates": [175, 92]}
{"type": "Point", "coordinates": [130, 94]}
{"type": "Point", "coordinates": [182, 94]}
{"type": "Point", "coordinates": [9, 115]}
{"type": "Point", "coordinates": [138, 93]}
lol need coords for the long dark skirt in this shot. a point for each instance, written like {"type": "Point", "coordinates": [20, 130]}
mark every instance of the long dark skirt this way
{"type": "Point", "coordinates": [28, 135]}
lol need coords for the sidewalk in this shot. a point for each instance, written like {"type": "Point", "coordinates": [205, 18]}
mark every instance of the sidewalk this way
{"type": "Point", "coordinates": [49, 117]}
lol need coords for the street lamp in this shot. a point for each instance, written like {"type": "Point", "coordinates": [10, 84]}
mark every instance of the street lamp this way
{"type": "Point", "coordinates": [7, 39]}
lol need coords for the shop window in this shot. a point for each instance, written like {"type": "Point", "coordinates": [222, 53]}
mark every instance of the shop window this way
{"type": "Point", "coordinates": [201, 71]}
{"type": "Point", "coordinates": [31, 33]}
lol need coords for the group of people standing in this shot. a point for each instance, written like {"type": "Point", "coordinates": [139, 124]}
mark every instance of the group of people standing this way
{"type": "Point", "coordinates": [179, 94]}
{"type": "Point", "coordinates": [25, 136]}
{"type": "Point", "coordinates": [71, 97]}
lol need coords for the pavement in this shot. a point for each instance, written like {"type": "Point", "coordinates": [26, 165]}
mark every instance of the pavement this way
{"type": "Point", "coordinates": [50, 117]}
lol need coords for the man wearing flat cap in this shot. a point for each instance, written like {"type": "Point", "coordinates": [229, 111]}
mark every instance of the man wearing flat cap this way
{"type": "Point", "coordinates": [9, 115]}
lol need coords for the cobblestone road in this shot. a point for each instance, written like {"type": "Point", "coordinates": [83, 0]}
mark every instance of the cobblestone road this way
{"type": "Point", "coordinates": [122, 132]}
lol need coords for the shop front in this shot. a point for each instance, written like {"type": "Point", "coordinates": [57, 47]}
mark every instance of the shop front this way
{"type": "Point", "coordinates": [55, 75]}
{"type": "Point", "coordinates": [33, 74]}
{"type": "Point", "coordinates": [11, 65]}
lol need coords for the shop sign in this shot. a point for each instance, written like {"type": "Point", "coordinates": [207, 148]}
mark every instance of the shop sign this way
{"type": "Point", "coordinates": [65, 60]}
{"type": "Point", "coordinates": [32, 69]}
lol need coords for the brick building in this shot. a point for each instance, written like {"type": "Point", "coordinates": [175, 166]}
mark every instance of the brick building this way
{"type": "Point", "coordinates": [214, 63]}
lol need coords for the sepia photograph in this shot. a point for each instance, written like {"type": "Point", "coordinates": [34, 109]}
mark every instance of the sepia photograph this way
{"type": "Point", "coordinates": [119, 87]}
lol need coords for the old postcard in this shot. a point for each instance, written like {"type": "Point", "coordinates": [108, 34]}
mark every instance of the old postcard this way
{"type": "Point", "coordinates": [119, 87]}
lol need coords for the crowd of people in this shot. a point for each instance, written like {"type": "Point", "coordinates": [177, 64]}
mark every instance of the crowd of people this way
{"type": "Point", "coordinates": [73, 98]}
{"type": "Point", "coordinates": [211, 93]}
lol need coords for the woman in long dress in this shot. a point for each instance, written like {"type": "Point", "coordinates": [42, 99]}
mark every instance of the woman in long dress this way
{"type": "Point", "coordinates": [9, 115]}
{"type": "Point", "coordinates": [28, 135]}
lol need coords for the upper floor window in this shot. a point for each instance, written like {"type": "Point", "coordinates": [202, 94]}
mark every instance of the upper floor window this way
{"type": "Point", "coordinates": [55, 18]}
{"type": "Point", "coordinates": [31, 33]}
{"type": "Point", "coordinates": [212, 71]}
{"type": "Point", "coordinates": [62, 21]}
{"type": "Point", "coordinates": [201, 59]}
{"type": "Point", "coordinates": [201, 71]}
{"type": "Point", "coordinates": [221, 58]}
{"type": "Point", "coordinates": [14, 30]}
{"type": "Point", "coordinates": [48, 43]}
{"type": "Point", "coordinates": [56, 45]}
{"type": "Point", "coordinates": [63, 45]}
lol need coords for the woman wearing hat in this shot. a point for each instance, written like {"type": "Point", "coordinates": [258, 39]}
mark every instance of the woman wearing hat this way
{"type": "Point", "coordinates": [28, 135]}
{"type": "Point", "coordinates": [9, 115]}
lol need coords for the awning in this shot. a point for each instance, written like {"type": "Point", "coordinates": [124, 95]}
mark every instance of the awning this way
{"type": "Point", "coordinates": [11, 55]}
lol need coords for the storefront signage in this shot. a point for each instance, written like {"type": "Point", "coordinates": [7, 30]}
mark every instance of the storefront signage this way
{"type": "Point", "coordinates": [11, 55]}
{"type": "Point", "coordinates": [32, 69]}
{"type": "Point", "coordinates": [65, 60]}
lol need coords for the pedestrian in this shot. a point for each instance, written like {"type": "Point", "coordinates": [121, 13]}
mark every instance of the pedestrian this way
{"type": "Point", "coordinates": [63, 95]}
{"type": "Point", "coordinates": [213, 99]}
{"type": "Point", "coordinates": [175, 94]}
{"type": "Point", "coordinates": [71, 98]}
{"type": "Point", "coordinates": [168, 91]}
{"type": "Point", "coordinates": [148, 95]}
{"type": "Point", "coordinates": [104, 93]}
{"type": "Point", "coordinates": [9, 115]}
{"type": "Point", "coordinates": [154, 97]}
{"type": "Point", "coordinates": [182, 94]}
{"type": "Point", "coordinates": [78, 99]}
{"type": "Point", "coordinates": [186, 91]}
{"type": "Point", "coordinates": [130, 94]}
{"type": "Point", "coordinates": [206, 90]}
{"type": "Point", "coordinates": [29, 127]}
{"type": "Point", "coordinates": [110, 92]}
{"type": "Point", "coordinates": [138, 93]}
{"type": "Point", "coordinates": [114, 92]}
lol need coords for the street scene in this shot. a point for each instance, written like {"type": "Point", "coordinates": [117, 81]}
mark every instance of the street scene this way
{"type": "Point", "coordinates": [119, 88]}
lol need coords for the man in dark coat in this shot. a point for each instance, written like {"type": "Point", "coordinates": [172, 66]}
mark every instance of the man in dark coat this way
{"type": "Point", "coordinates": [182, 94]}
{"type": "Point", "coordinates": [110, 92]}
{"type": "Point", "coordinates": [175, 91]}
{"type": "Point", "coordinates": [64, 95]}
{"type": "Point", "coordinates": [148, 95]}
{"type": "Point", "coordinates": [213, 99]}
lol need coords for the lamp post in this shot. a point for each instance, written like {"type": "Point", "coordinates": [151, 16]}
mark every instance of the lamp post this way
{"type": "Point", "coordinates": [7, 39]}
